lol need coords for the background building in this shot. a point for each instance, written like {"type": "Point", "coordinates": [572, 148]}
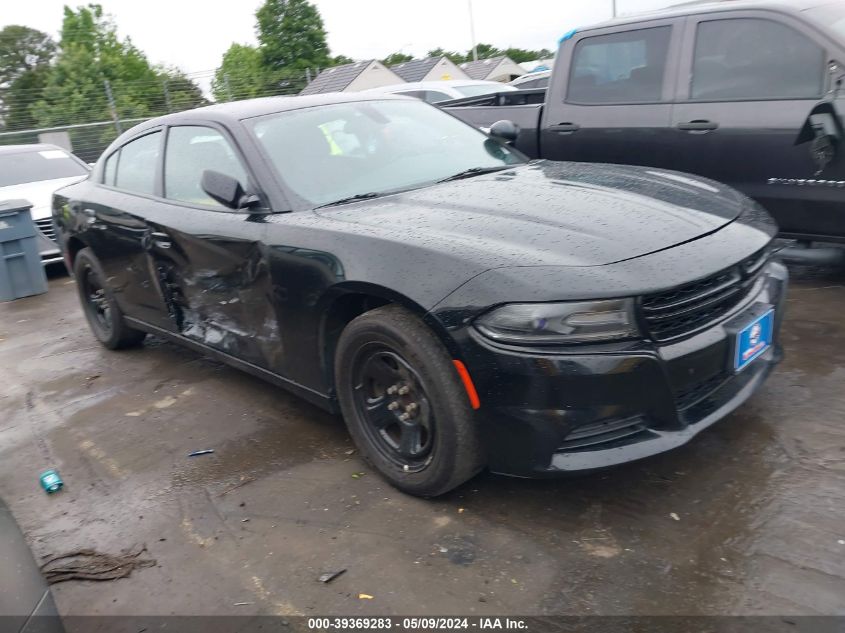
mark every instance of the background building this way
{"type": "Point", "coordinates": [352, 78]}
{"type": "Point", "coordinates": [431, 69]}
{"type": "Point", "coordinates": [500, 68]}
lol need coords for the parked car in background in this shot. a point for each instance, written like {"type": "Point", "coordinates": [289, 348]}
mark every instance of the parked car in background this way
{"type": "Point", "coordinates": [33, 173]}
{"type": "Point", "coordinates": [461, 306]}
{"type": "Point", "coordinates": [746, 93]}
{"type": "Point", "coordinates": [437, 91]}
{"type": "Point", "coordinates": [538, 79]}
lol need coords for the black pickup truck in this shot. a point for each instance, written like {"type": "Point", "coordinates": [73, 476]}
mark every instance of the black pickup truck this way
{"type": "Point", "coordinates": [745, 93]}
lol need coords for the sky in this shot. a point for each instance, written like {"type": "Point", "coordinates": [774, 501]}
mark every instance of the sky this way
{"type": "Point", "coordinates": [194, 34]}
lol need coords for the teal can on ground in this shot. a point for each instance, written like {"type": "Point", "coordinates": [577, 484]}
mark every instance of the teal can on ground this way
{"type": "Point", "coordinates": [21, 271]}
{"type": "Point", "coordinates": [51, 481]}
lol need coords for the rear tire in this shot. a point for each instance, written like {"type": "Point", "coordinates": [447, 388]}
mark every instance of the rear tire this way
{"type": "Point", "coordinates": [101, 310]}
{"type": "Point", "coordinates": [389, 364]}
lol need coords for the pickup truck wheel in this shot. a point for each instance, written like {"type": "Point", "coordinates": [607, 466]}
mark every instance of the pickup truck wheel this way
{"type": "Point", "coordinates": [104, 316]}
{"type": "Point", "coordinates": [404, 404]}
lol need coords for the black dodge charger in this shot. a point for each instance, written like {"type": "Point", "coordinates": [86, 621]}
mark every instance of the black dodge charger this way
{"type": "Point", "coordinates": [461, 306]}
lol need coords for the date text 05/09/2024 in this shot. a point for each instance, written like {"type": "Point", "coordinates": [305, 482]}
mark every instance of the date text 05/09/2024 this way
{"type": "Point", "coordinates": [417, 624]}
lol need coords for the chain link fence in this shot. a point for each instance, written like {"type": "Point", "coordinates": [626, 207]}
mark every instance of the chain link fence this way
{"type": "Point", "coordinates": [88, 135]}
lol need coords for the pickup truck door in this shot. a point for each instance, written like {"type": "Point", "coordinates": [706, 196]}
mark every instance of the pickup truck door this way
{"type": "Point", "coordinates": [610, 96]}
{"type": "Point", "coordinates": [212, 261]}
{"type": "Point", "coordinates": [749, 80]}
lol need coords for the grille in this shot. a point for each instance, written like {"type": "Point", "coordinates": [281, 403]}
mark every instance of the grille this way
{"type": "Point", "coordinates": [603, 434]}
{"type": "Point", "coordinates": [45, 225]}
{"type": "Point", "coordinates": [695, 393]}
{"type": "Point", "coordinates": [686, 309]}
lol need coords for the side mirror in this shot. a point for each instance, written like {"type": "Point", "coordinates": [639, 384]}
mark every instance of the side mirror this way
{"type": "Point", "coordinates": [507, 131]}
{"type": "Point", "coordinates": [227, 191]}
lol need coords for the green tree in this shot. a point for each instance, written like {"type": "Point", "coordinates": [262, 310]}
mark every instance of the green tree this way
{"type": "Point", "coordinates": [485, 51]}
{"type": "Point", "coordinates": [180, 93]}
{"type": "Point", "coordinates": [23, 49]}
{"type": "Point", "coordinates": [520, 55]}
{"type": "Point", "coordinates": [242, 74]}
{"type": "Point", "coordinates": [397, 58]}
{"type": "Point", "coordinates": [25, 56]}
{"type": "Point", "coordinates": [291, 36]}
{"type": "Point", "coordinates": [18, 97]}
{"type": "Point", "coordinates": [340, 60]}
{"type": "Point", "coordinates": [458, 58]}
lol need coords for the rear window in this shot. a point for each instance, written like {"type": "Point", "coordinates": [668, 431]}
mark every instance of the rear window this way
{"type": "Point", "coordinates": [620, 68]}
{"type": "Point", "coordinates": [751, 58]}
{"type": "Point", "coordinates": [33, 166]}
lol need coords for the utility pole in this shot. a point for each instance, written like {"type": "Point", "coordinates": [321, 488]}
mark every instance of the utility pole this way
{"type": "Point", "coordinates": [112, 107]}
{"type": "Point", "coordinates": [614, 8]}
{"type": "Point", "coordinates": [472, 32]}
{"type": "Point", "coordinates": [167, 103]}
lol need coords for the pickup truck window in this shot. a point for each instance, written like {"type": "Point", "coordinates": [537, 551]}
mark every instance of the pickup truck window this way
{"type": "Point", "coordinates": [332, 152]}
{"type": "Point", "coordinates": [620, 68]}
{"type": "Point", "coordinates": [136, 170]}
{"type": "Point", "coordinates": [753, 58]}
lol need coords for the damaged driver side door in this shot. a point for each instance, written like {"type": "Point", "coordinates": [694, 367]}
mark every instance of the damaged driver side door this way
{"type": "Point", "coordinates": [211, 260]}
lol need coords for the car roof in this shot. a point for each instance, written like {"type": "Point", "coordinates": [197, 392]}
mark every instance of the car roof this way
{"type": "Point", "coordinates": [32, 147]}
{"type": "Point", "coordinates": [534, 74]}
{"type": "Point", "coordinates": [433, 85]}
{"type": "Point", "coordinates": [250, 108]}
{"type": "Point", "coordinates": [696, 7]}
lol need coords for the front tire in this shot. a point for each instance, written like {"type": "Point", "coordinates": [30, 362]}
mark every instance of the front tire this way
{"type": "Point", "coordinates": [101, 310]}
{"type": "Point", "coordinates": [404, 404]}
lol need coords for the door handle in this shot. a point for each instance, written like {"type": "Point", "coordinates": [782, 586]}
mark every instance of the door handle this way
{"type": "Point", "coordinates": [565, 128]}
{"type": "Point", "coordinates": [699, 125]}
{"type": "Point", "coordinates": [162, 240]}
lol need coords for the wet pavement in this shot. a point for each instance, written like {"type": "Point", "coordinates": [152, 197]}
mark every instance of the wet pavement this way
{"type": "Point", "coordinates": [747, 519]}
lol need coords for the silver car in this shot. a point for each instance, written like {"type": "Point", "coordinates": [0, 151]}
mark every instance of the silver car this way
{"type": "Point", "coordinates": [33, 173]}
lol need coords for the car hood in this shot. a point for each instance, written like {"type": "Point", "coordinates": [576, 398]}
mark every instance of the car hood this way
{"type": "Point", "coordinates": [39, 194]}
{"type": "Point", "coordinates": [549, 213]}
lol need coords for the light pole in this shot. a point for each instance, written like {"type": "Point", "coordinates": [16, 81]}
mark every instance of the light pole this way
{"type": "Point", "coordinates": [614, 8]}
{"type": "Point", "coordinates": [472, 31]}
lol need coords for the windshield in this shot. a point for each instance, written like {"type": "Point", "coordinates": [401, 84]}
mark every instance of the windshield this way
{"type": "Point", "coordinates": [831, 16]}
{"type": "Point", "coordinates": [477, 90]}
{"type": "Point", "coordinates": [333, 152]}
{"type": "Point", "coordinates": [32, 166]}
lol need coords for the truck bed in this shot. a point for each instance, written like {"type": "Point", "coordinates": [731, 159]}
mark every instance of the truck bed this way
{"type": "Point", "coordinates": [523, 107]}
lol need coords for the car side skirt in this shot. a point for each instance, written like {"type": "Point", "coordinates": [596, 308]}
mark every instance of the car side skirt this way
{"type": "Point", "coordinates": [321, 400]}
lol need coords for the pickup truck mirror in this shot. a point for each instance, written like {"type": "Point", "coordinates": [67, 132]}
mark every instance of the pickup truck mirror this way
{"type": "Point", "coordinates": [507, 131]}
{"type": "Point", "coordinates": [228, 191]}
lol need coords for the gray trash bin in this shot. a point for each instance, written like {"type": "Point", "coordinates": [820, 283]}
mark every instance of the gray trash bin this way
{"type": "Point", "coordinates": [21, 272]}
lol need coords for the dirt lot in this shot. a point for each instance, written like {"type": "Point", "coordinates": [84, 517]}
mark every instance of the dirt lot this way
{"type": "Point", "coordinates": [748, 519]}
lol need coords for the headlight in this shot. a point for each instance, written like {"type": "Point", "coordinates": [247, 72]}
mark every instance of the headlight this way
{"type": "Point", "coordinates": [570, 322]}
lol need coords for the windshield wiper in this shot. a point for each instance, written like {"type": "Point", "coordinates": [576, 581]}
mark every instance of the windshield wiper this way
{"type": "Point", "coordinates": [355, 198]}
{"type": "Point", "coordinates": [475, 171]}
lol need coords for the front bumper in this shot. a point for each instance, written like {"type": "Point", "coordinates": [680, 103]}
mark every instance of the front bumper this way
{"type": "Point", "coordinates": [48, 249]}
{"type": "Point", "coordinates": [545, 412]}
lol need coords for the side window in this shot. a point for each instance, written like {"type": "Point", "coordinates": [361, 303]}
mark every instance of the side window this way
{"type": "Point", "coordinates": [110, 170]}
{"type": "Point", "coordinates": [416, 94]}
{"type": "Point", "coordinates": [138, 164]}
{"type": "Point", "coordinates": [623, 67]}
{"type": "Point", "coordinates": [433, 96]}
{"type": "Point", "coordinates": [752, 58]}
{"type": "Point", "coordinates": [190, 151]}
